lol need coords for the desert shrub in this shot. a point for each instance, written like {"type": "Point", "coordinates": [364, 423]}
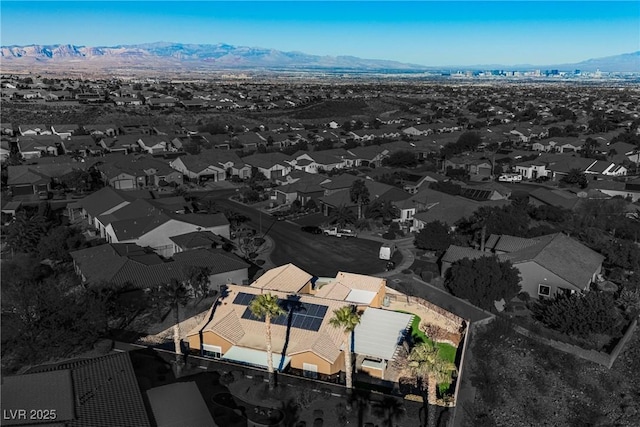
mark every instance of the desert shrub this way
{"type": "Point", "coordinates": [227, 378]}
{"type": "Point", "coordinates": [579, 314]}
{"type": "Point", "coordinates": [389, 235]}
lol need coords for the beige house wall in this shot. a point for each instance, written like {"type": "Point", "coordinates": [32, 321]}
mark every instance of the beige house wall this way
{"type": "Point", "coordinates": [324, 367]}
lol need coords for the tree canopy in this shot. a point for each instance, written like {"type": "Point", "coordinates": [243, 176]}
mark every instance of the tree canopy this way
{"type": "Point", "coordinates": [433, 237]}
{"type": "Point", "coordinates": [483, 281]}
{"type": "Point", "coordinates": [400, 159]}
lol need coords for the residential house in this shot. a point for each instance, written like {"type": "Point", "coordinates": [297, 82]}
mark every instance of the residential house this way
{"type": "Point", "coordinates": [102, 130]}
{"type": "Point", "coordinates": [437, 206]}
{"type": "Point", "coordinates": [412, 182]}
{"type": "Point", "coordinates": [64, 131]}
{"type": "Point", "coordinates": [628, 190]}
{"type": "Point", "coordinates": [558, 198]}
{"type": "Point", "coordinates": [473, 164]}
{"type": "Point", "coordinates": [272, 165]}
{"type": "Point", "coordinates": [84, 145]}
{"type": "Point", "coordinates": [377, 191]}
{"type": "Point", "coordinates": [6, 129]}
{"type": "Point", "coordinates": [417, 130]}
{"type": "Point", "coordinates": [76, 393]}
{"type": "Point", "coordinates": [371, 155]}
{"type": "Point", "coordinates": [531, 169]}
{"type": "Point", "coordinates": [560, 166]}
{"type": "Point", "coordinates": [34, 129]}
{"type": "Point", "coordinates": [215, 165]}
{"type": "Point", "coordinates": [303, 342]}
{"type": "Point", "coordinates": [326, 160]}
{"type": "Point", "coordinates": [154, 144]}
{"type": "Point", "coordinates": [122, 144]}
{"type": "Point", "coordinates": [24, 180]}
{"type": "Point", "coordinates": [549, 265]}
{"type": "Point", "coordinates": [136, 171]}
{"type": "Point", "coordinates": [306, 188]}
{"type": "Point", "coordinates": [130, 266]}
{"type": "Point", "coordinates": [35, 146]}
{"type": "Point", "coordinates": [127, 101]}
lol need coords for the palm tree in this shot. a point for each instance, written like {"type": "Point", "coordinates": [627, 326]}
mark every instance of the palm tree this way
{"type": "Point", "coordinates": [426, 363]}
{"type": "Point", "coordinates": [342, 216]}
{"type": "Point", "coordinates": [174, 295]}
{"type": "Point", "coordinates": [266, 305]}
{"type": "Point", "coordinates": [346, 318]}
{"type": "Point", "coordinates": [359, 194]}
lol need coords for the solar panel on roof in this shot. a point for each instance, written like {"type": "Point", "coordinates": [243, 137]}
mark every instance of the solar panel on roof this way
{"type": "Point", "coordinates": [304, 315]}
{"type": "Point", "coordinates": [243, 298]}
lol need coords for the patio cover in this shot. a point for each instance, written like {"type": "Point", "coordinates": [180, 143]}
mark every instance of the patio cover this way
{"type": "Point", "coordinates": [379, 332]}
{"type": "Point", "coordinates": [256, 357]}
{"type": "Point", "coordinates": [179, 405]}
{"type": "Point", "coordinates": [359, 296]}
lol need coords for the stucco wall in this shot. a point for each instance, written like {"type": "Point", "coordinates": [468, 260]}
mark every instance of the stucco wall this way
{"type": "Point", "coordinates": [236, 276]}
{"type": "Point", "coordinates": [533, 275]}
{"type": "Point", "coordinates": [324, 367]}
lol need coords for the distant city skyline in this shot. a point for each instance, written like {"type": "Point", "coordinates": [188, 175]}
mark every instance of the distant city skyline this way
{"type": "Point", "coordinates": [418, 32]}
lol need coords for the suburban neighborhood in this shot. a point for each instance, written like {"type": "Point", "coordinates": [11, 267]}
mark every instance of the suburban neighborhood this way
{"type": "Point", "coordinates": [274, 252]}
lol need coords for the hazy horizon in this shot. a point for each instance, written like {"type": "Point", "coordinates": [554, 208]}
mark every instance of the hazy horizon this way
{"type": "Point", "coordinates": [423, 33]}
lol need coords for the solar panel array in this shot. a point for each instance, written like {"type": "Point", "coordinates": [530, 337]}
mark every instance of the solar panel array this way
{"type": "Point", "coordinates": [302, 315]}
{"type": "Point", "coordinates": [476, 194]}
{"type": "Point", "coordinates": [243, 298]}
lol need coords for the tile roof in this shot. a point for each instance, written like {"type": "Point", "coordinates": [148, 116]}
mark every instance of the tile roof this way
{"type": "Point", "coordinates": [286, 278]}
{"type": "Point", "coordinates": [128, 264]}
{"type": "Point", "coordinates": [558, 198]}
{"type": "Point", "coordinates": [455, 253]}
{"type": "Point", "coordinates": [102, 200]}
{"type": "Point", "coordinates": [505, 243]}
{"type": "Point", "coordinates": [106, 392]}
{"type": "Point", "coordinates": [563, 256]}
{"type": "Point", "coordinates": [325, 342]}
{"type": "Point", "coordinates": [36, 391]}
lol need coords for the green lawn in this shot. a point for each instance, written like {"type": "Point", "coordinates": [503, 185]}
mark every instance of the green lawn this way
{"type": "Point", "coordinates": [446, 351]}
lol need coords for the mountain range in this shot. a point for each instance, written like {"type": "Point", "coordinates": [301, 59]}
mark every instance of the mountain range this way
{"type": "Point", "coordinates": [221, 56]}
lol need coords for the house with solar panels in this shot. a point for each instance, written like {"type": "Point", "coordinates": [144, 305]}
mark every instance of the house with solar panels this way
{"type": "Point", "coordinates": [303, 341]}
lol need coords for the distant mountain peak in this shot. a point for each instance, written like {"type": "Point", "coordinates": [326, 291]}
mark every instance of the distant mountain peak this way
{"type": "Point", "coordinates": [165, 55]}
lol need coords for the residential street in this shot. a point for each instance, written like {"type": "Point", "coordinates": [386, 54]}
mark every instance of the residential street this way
{"type": "Point", "coordinates": [325, 256]}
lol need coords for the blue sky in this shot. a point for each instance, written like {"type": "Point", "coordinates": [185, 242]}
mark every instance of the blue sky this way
{"type": "Point", "coordinates": [419, 32]}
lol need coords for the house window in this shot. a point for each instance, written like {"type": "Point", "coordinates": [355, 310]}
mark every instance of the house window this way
{"type": "Point", "coordinates": [309, 370]}
{"type": "Point", "coordinates": [213, 351]}
{"type": "Point", "coordinates": [544, 290]}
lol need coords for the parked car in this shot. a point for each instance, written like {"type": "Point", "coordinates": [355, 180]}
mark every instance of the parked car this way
{"type": "Point", "coordinates": [311, 229]}
{"type": "Point", "coordinates": [339, 232]}
{"type": "Point", "coordinates": [510, 177]}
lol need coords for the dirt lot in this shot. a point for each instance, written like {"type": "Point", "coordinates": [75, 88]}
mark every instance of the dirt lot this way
{"type": "Point", "coordinates": [523, 383]}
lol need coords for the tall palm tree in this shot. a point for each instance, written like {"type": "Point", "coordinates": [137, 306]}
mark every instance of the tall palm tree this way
{"type": "Point", "coordinates": [342, 216]}
{"type": "Point", "coordinates": [266, 305]}
{"type": "Point", "coordinates": [346, 318]}
{"type": "Point", "coordinates": [426, 363]}
{"type": "Point", "coordinates": [359, 194]}
{"type": "Point", "coordinates": [174, 295]}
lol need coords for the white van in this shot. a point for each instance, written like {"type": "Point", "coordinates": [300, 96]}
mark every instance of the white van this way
{"type": "Point", "coordinates": [387, 250]}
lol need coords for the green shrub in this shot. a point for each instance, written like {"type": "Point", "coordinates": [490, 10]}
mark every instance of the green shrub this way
{"type": "Point", "coordinates": [579, 314]}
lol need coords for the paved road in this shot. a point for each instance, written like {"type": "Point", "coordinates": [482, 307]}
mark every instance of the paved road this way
{"type": "Point", "coordinates": [325, 256]}
{"type": "Point", "coordinates": [320, 255]}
